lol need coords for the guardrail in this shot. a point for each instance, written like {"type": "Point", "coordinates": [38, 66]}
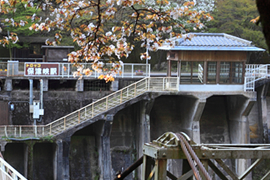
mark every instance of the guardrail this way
{"type": "Point", "coordinates": [96, 108]}
{"type": "Point", "coordinates": [255, 72]}
{"type": "Point", "coordinates": [65, 70]}
{"type": "Point", "coordinates": [7, 172]}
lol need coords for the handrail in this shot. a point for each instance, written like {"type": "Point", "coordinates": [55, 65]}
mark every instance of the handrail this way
{"type": "Point", "coordinates": [65, 70]}
{"type": "Point", "coordinates": [153, 84]}
{"type": "Point", "coordinates": [8, 172]}
{"type": "Point", "coordinates": [255, 72]}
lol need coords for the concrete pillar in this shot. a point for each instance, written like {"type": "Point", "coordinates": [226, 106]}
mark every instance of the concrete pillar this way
{"type": "Point", "coordinates": [8, 84]}
{"type": "Point", "coordinates": [2, 145]}
{"type": "Point", "coordinates": [262, 113]}
{"type": "Point", "coordinates": [239, 108]}
{"type": "Point", "coordinates": [45, 84]}
{"type": "Point", "coordinates": [61, 159]}
{"type": "Point", "coordinates": [26, 147]}
{"type": "Point", "coordinates": [192, 115]}
{"type": "Point", "coordinates": [144, 128]}
{"type": "Point", "coordinates": [144, 124]}
{"type": "Point", "coordinates": [195, 118]}
{"type": "Point", "coordinates": [114, 85]}
{"type": "Point", "coordinates": [29, 158]}
{"type": "Point", "coordinates": [104, 150]}
{"type": "Point", "coordinates": [79, 85]}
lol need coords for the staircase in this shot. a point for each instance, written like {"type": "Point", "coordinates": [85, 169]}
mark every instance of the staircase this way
{"type": "Point", "coordinates": [87, 113]}
{"type": "Point", "coordinates": [7, 172]}
{"type": "Point", "coordinates": [254, 73]}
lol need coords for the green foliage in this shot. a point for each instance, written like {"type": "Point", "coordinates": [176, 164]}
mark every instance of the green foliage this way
{"type": "Point", "coordinates": [233, 17]}
{"type": "Point", "coordinates": [21, 14]}
{"type": "Point", "coordinates": [47, 139]}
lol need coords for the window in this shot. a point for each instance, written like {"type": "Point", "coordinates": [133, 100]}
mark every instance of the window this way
{"type": "Point", "coordinates": [231, 73]}
{"type": "Point", "coordinates": [185, 72]}
{"type": "Point", "coordinates": [35, 49]}
{"type": "Point", "coordinates": [191, 72]}
{"type": "Point", "coordinates": [237, 72]}
{"type": "Point", "coordinates": [224, 75]}
{"type": "Point", "coordinates": [211, 72]}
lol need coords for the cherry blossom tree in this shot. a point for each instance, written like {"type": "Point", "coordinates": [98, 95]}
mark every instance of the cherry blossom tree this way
{"type": "Point", "coordinates": [109, 28]}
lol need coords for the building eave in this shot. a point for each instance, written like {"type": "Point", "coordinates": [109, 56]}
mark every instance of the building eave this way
{"type": "Point", "coordinates": [206, 48]}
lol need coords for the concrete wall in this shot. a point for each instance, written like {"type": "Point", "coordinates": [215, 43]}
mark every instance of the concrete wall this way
{"type": "Point", "coordinates": [214, 125]}
{"type": "Point", "coordinates": [56, 104]}
{"type": "Point", "coordinates": [105, 147]}
{"type": "Point", "coordinates": [43, 154]}
{"type": "Point", "coordinates": [83, 158]}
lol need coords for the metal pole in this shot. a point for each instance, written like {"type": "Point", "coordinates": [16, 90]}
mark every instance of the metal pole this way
{"type": "Point", "coordinates": [41, 93]}
{"type": "Point", "coordinates": [41, 97]}
{"type": "Point", "coordinates": [31, 96]}
{"type": "Point", "coordinates": [30, 91]}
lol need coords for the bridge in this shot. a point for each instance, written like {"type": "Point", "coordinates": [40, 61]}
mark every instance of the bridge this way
{"type": "Point", "coordinates": [101, 108]}
{"type": "Point", "coordinates": [254, 74]}
{"type": "Point", "coordinates": [97, 108]}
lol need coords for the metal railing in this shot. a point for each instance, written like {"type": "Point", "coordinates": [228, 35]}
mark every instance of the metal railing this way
{"type": "Point", "coordinates": [66, 70]}
{"type": "Point", "coordinates": [255, 72]}
{"type": "Point", "coordinates": [7, 172]}
{"type": "Point", "coordinates": [90, 111]}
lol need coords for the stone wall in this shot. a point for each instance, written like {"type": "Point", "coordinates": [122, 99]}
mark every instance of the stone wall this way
{"type": "Point", "coordinates": [56, 104]}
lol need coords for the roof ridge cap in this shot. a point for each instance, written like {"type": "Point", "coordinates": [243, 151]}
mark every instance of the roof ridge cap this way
{"type": "Point", "coordinates": [238, 39]}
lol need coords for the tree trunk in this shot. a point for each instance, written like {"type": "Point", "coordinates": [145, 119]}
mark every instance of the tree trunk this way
{"type": "Point", "coordinates": [263, 8]}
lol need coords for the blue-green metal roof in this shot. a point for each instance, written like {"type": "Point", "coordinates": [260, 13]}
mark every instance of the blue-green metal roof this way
{"type": "Point", "coordinates": [211, 42]}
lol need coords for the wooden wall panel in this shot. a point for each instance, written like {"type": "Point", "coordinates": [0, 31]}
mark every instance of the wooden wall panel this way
{"type": "Point", "coordinates": [212, 56]}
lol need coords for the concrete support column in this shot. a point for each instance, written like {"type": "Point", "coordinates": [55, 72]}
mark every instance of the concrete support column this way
{"type": "Point", "coordinates": [8, 84]}
{"type": "Point", "coordinates": [26, 147]}
{"type": "Point", "coordinates": [29, 158]}
{"type": "Point", "coordinates": [144, 122]}
{"type": "Point", "coordinates": [104, 149]}
{"type": "Point", "coordinates": [2, 145]}
{"type": "Point", "coordinates": [79, 85]}
{"type": "Point", "coordinates": [45, 84]}
{"type": "Point", "coordinates": [239, 108]}
{"type": "Point", "coordinates": [61, 159]}
{"type": "Point", "coordinates": [262, 111]}
{"type": "Point", "coordinates": [144, 128]}
{"type": "Point", "coordinates": [195, 118]}
{"type": "Point", "coordinates": [114, 85]}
